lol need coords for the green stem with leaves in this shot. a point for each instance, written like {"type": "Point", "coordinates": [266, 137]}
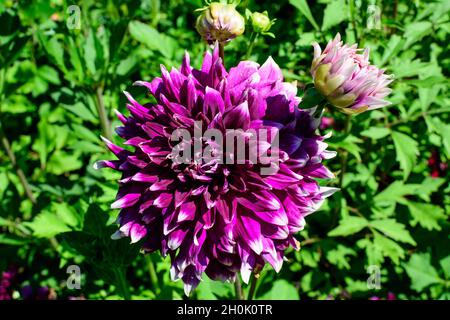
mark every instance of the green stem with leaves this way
{"type": "Point", "coordinates": [8, 149]}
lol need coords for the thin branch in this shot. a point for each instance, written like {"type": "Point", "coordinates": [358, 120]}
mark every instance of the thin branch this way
{"type": "Point", "coordinates": [19, 172]}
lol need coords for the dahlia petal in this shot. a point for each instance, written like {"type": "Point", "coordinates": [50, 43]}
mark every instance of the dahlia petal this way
{"type": "Point", "coordinates": [121, 117]}
{"type": "Point", "coordinates": [238, 117]}
{"type": "Point", "coordinates": [226, 209]}
{"type": "Point", "coordinates": [318, 171]}
{"type": "Point", "coordinates": [161, 185]}
{"type": "Point", "coordinates": [126, 201]}
{"type": "Point", "coordinates": [142, 177]}
{"type": "Point", "coordinates": [270, 72]}
{"type": "Point", "coordinates": [187, 212]}
{"type": "Point", "coordinates": [181, 196]}
{"type": "Point", "coordinates": [261, 201]}
{"type": "Point", "coordinates": [277, 217]}
{"type": "Point", "coordinates": [186, 65]}
{"type": "Point", "coordinates": [135, 141]}
{"type": "Point", "coordinates": [250, 231]}
{"type": "Point", "coordinates": [213, 102]}
{"type": "Point", "coordinates": [114, 164]}
{"type": "Point", "coordinates": [275, 232]}
{"type": "Point", "coordinates": [118, 151]}
{"type": "Point", "coordinates": [137, 232]}
{"type": "Point", "coordinates": [117, 235]}
{"type": "Point", "coordinates": [271, 255]}
{"type": "Point", "coordinates": [209, 219]}
{"type": "Point", "coordinates": [176, 238]}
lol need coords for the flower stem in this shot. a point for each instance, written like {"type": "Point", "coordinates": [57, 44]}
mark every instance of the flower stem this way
{"type": "Point", "coordinates": [238, 288]}
{"type": "Point", "coordinates": [253, 281]}
{"type": "Point", "coordinates": [344, 158]}
{"type": "Point", "coordinates": [106, 128]}
{"type": "Point", "coordinates": [353, 18]}
{"type": "Point", "coordinates": [152, 272]}
{"type": "Point", "coordinates": [252, 41]}
{"type": "Point", "coordinates": [122, 283]}
{"type": "Point", "coordinates": [222, 52]}
{"type": "Point", "coordinates": [155, 4]}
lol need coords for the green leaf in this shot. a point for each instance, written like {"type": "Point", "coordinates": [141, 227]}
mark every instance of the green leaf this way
{"type": "Point", "coordinates": [349, 225]}
{"type": "Point", "coordinates": [407, 151]}
{"type": "Point", "coordinates": [388, 248]}
{"type": "Point", "coordinates": [376, 132]}
{"type": "Point", "coordinates": [421, 272]}
{"type": "Point", "coordinates": [55, 50]}
{"type": "Point", "coordinates": [339, 256]}
{"type": "Point", "coordinates": [428, 186]}
{"type": "Point", "coordinates": [302, 5]}
{"type": "Point", "coordinates": [394, 46]}
{"type": "Point", "coordinates": [213, 290]}
{"type": "Point", "coordinates": [445, 264]}
{"type": "Point", "coordinates": [11, 49]}
{"type": "Point", "coordinates": [425, 214]}
{"type": "Point", "coordinates": [428, 82]}
{"type": "Point", "coordinates": [443, 129]}
{"type": "Point", "coordinates": [47, 224]}
{"type": "Point", "coordinates": [334, 14]}
{"type": "Point", "coordinates": [62, 162]}
{"type": "Point", "coordinates": [11, 240]}
{"type": "Point", "coordinates": [416, 31]}
{"type": "Point", "coordinates": [75, 59]}
{"type": "Point", "coordinates": [152, 38]}
{"type": "Point", "coordinates": [66, 213]}
{"type": "Point", "coordinates": [49, 74]}
{"type": "Point", "coordinates": [395, 191]}
{"type": "Point", "coordinates": [282, 290]}
{"type": "Point", "coordinates": [90, 53]}
{"type": "Point", "coordinates": [95, 221]}
{"type": "Point", "coordinates": [82, 111]}
{"type": "Point", "coordinates": [350, 144]}
{"type": "Point", "coordinates": [373, 251]}
{"type": "Point", "coordinates": [393, 229]}
{"type": "Point", "coordinates": [93, 54]}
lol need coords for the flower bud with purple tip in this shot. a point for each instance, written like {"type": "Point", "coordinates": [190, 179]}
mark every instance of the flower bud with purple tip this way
{"type": "Point", "coordinates": [347, 79]}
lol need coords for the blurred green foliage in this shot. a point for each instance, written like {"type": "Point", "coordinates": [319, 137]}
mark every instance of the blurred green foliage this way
{"type": "Point", "coordinates": [63, 64]}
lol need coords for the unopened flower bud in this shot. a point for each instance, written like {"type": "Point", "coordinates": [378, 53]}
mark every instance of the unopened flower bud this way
{"type": "Point", "coordinates": [220, 22]}
{"type": "Point", "coordinates": [346, 78]}
{"type": "Point", "coordinates": [261, 22]}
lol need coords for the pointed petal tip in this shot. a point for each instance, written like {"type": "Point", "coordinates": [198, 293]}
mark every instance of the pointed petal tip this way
{"type": "Point", "coordinates": [117, 235]}
{"type": "Point", "coordinates": [97, 165]}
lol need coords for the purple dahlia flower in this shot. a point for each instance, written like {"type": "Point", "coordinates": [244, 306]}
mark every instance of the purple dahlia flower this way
{"type": "Point", "coordinates": [210, 216]}
{"type": "Point", "coordinates": [347, 79]}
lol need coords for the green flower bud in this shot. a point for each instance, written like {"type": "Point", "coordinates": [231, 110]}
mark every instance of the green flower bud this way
{"type": "Point", "coordinates": [261, 22]}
